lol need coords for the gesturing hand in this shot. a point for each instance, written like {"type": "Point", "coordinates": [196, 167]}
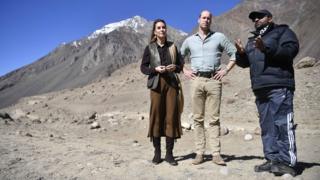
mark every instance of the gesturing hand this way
{"type": "Point", "coordinates": [259, 44]}
{"type": "Point", "coordinates": [160, 69]}
{"type": "Point", "coordinates": [239, 46]}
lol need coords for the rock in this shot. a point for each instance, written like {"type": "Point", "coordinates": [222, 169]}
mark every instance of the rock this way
{"type": "Point", "coordinates": [136, 143]}
{"type": "Point", "coordinates": [37, 121]}
{"type": "Point", "coordinates": [257, 131]}
{"type": "Point", "coordinates": [28, 134]}
{"type": "Point", "coordinates": [240, 129]}
{"type": "Point", "coordinates": [95, 125]}
{"type": "Point", "coordinates": [33, 118]}
{"type": "Point", "coordinates": [286, 176]}
{"type": "Point", "coordinates": [5, 115]}
{"type": "Point", "coordinates": [306, 62]}
{"type": "Point", "coordinates": [93, 116]}
{"type": "Point", "coordinates": [109, 115]}
{"type": "Point", "coordinates": [186, 125]}
{"type": "Point", "coordinates": [17, 114]}
{"type": "Point", "coordinates": [224, 131]}
{"type": "Point", "coordinates": [248, 137]}
{"type": "Point", "coordinates": [33, 102]}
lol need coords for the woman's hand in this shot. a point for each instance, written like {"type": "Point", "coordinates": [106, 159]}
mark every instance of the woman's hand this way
{"type": "Point", "coordinates": [160, 69]}
{"type": "Point", "coordinates": [171, 67]}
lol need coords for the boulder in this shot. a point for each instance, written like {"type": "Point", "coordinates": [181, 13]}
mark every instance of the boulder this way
{"type": "Point", "coordinates": [306, 62]}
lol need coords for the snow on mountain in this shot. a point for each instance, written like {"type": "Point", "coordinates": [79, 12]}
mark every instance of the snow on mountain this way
{"type": "Point", "coordinates": [182, 33]}
{"type": "Point", "coordinates": [135, 23]}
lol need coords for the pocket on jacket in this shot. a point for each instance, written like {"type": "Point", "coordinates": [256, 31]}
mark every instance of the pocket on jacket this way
{"type": "Point", "coordinates": [153, 81]}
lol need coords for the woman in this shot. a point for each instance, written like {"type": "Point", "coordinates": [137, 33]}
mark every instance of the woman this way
{"type": "Point", "coordinates": [160, 61]}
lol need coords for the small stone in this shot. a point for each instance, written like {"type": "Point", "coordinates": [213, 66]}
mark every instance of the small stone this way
{"type": "Point", "coordinates": [224, 131]}
{"type": "Point", "coordinates": [93, 116]}
{"type": "Point", "coordinates": [136, 143]}
{"type": "Point", "coordinates": [257, 131]}
{"type": "Point", "coordinates": [240, 129]}
{"type": "Point", "coordinates": [248, 137]}
{"type": "Point", "coordinates": [17, 114]}
{"type": "Point", "coordinates": [28, 134]}
{"type": "Point", "coordinates": [286, 176]}
{"type": "Point", "coordinates": [37, 121]}
{"type": "Point", "coordinates": [186, 125]}
{"type": "Point", "coordinates": [95, 125]}
{"type": "Point", "coordinates": [33, 102]}
{"type": "Point", "coordinates": [33, 118]}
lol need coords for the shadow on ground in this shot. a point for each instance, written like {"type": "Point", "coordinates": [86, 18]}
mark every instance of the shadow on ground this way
{"type": "Point", "coordinates": [227, 158]}
{"type": "Point", "coordinates": [300, 167]}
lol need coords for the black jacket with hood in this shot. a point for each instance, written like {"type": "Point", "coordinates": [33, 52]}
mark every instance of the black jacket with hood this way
{"type": "Point", "coordinates": [274, 66]}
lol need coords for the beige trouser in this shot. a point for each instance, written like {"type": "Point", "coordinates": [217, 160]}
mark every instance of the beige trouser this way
{"type": "Point", "coordinates": [205, 90]}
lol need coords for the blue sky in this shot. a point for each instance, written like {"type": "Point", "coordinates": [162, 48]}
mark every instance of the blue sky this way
{"type": "Point", "coordinates": [30, 29]}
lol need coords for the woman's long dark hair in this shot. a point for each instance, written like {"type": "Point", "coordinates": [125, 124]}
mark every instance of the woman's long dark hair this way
{"type": "Point", "coordinates": [153, 37]}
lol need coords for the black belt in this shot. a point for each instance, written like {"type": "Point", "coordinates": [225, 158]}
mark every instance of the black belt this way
{"type": "Point", "coordinates": [204, 74]}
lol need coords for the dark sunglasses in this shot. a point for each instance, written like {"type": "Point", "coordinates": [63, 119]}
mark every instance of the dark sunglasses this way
{"type": "Point", "coordinates": [259, 16]}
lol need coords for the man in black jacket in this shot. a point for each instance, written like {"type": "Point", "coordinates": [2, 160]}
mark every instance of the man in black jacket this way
{"type": "Point", "coordinates": [269, 53]}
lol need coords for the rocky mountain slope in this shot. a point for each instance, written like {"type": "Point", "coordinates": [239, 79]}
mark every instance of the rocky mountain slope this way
{"type": "Point", "coordinates": [82, 61]}
{"type": "Point", "coordinates": [94, 57]}
{"type": "Point", "coordinates": [302, 16]}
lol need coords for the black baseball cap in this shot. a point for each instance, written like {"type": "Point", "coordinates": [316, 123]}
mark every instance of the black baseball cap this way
{"type": "Point", "coordinates": [257, 14]}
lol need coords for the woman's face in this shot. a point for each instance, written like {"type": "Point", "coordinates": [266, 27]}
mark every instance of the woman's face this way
{"type": "Point", "coordinates": [160, 30]}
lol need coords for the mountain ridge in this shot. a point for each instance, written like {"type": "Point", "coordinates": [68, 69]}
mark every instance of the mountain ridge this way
{"type": "Point", "coordinates": [82, 61]}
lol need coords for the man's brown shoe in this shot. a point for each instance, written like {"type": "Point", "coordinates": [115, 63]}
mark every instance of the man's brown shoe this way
{"type": "Point", "coordinates": [217, 159]}
{"type": "Point", "coordinates": [198, 159]}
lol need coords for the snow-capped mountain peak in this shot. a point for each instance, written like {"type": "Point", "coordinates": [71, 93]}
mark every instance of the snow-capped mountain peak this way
{"type": "Point", "coordinates": [135, 23]}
